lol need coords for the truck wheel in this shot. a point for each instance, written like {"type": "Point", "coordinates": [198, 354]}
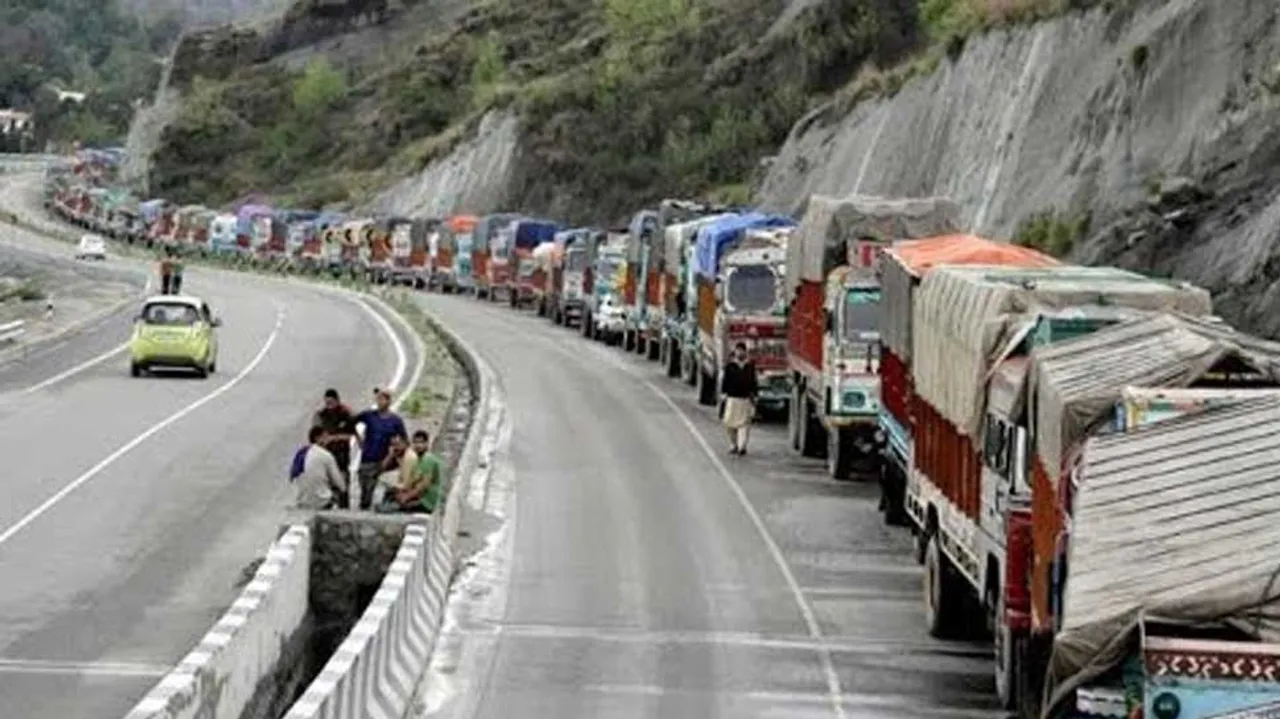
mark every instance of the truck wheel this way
{"type": "Point", "coordinates": [943, 593]}
{"type": "Point", "coordinates": [839, 453]}
{"type": "Point", "coordinates": [1008, 646]}
{"type": "Point", "coordinates": [673, 359]}
{"type": "Point", "coordinates": [689, 368]}
{"type": "Point", "coordinates": [793, 417]}
{"type": "Point", "coordinates": [655, 350]}
{"type": "Point", "coordinates": [893, 494]}
{"type": "Point", "coordinates": [629, 341]}
{"type": "Point", "coordinates": [812, 442]}
{"type": "Point", "coordinates": [511, 299]}
{"type": "Point", "coordinates": [584, 325]}
{"type": "Point", "coordinates": [706, 388]}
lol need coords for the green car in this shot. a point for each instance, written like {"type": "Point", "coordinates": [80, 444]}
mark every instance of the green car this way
{"type": "Point", "coordinates": [174, 331]}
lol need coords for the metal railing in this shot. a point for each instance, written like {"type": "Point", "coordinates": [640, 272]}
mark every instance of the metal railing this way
{"type": "Point", "coordinates": [12, 331]}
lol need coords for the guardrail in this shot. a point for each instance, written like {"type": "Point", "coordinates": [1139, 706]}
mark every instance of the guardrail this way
{"type": "Point", "coordinates": [12, 331]}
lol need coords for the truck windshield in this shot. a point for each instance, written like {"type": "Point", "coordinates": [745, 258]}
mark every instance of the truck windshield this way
{"type": "Point", "coordinates": [526, 267]}
{"type": "Point", "coordinates": [575, 261]}
{"type": "Point", "coordinates": [464, 242]}
{"type": "Point", "coordinates": [861, 313]}
{"type": "Point", "coordinates": [752, 288]}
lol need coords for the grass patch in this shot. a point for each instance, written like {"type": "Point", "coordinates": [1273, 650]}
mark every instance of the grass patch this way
{"type": "Point", "coordinates": [1053, 233]}
{"type": "Point", "coordinates": [429, 401]}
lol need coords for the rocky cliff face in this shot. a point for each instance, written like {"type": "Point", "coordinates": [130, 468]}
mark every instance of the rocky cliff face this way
{"type": "Point", "coordinates": [1155, 129]}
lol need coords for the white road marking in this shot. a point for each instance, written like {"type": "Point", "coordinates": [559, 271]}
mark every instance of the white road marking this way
{"type": "Point", "coordinates": [132, 444]}
{"type": "Point", "coordinates": [78, 368]}
{"type": "Point", "coordinates": [835, 692]}
{"type": "Point", "coordinates": [95, 669]}
{"type": "Point", "coordinates": [402, 357]}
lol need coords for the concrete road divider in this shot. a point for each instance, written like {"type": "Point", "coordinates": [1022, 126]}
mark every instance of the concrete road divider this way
{"type": "Point", "coordinates": [373, 672]}
{"type": "Point", "coordinates": [230, 673]}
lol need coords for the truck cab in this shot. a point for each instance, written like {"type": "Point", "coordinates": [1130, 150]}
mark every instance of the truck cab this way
{"type": "Point", "coordinates": [606, 307]}
{"type": "Point", "coordinates": [751, 308]}
{"type": "Point", "coordinates": [850, 389]}
{"type": "Point", "coordinates": [570, 280]}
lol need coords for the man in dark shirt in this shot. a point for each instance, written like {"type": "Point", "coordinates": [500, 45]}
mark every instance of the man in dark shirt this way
{"type": "Point", "coordinates": [380, 425]}
{"type": "Point", "coordinates": [339, 424]}
{"type": "Point", "coordinates": [740, 387]}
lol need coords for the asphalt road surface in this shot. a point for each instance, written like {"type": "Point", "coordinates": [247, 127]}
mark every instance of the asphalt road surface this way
{"type": "Point", "coordinates": [131, 506]}
{"type": "Point", "coordinates": [643, 572]}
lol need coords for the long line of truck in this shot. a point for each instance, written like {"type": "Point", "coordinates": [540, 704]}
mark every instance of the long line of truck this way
{"type": "Point", "coordinates": [1087, 458]}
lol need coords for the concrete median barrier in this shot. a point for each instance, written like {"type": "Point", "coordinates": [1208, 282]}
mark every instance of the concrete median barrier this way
{"type": "Point", "coordinates": [232, 672]}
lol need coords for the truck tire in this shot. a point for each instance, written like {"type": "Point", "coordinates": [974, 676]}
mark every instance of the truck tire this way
{"type": "Point", "coordinates": [655, 350]}
{"type": "Point", "coordinates": [673, 359]}
{"type": "Point", "coordinates": [1008, 647]}
{"type": "Point", "coordinates": [893, 489]}
{"type": "Point", "coordinates": [812, 442]}
{"type": "Point", "coordinates": [793, 415]}
{"type": "Point", "coordinates": [690, 369]}
{"type": "Point", "coordinates": [944, 592]}
{"type": "Point", "coordinates": [629, 341]}
{"type": "Point", "coordinates": [585, 324]}
{"type": "Point", "coordinates": [512, 299]}
{"type": "Point", "coordinates": [840, 454]}
{"type": "Point", "coordinates": [706, 388]}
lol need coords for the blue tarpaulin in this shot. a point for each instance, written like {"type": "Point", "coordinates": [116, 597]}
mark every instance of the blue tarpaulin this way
{"type": "Point", "coordinates": [715, 236]}
{"type": "Point", "coordinates": [531, 233]}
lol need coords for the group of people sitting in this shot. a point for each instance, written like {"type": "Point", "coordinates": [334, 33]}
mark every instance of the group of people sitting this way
{"type": "Point", "coordinates": [396, 473]}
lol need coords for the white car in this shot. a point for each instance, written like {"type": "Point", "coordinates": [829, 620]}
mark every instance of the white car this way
{"type": "Point", "coordinates": [91, 247]}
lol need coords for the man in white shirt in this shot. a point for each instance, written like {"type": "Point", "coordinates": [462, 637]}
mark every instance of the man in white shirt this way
{"type": "Point", "coordinates": [321, 479]}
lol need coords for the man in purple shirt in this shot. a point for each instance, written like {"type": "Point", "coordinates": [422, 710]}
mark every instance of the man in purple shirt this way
{"type": "Point", "coordinates": [380, 425]}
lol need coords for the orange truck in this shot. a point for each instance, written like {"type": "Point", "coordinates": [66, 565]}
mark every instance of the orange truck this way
{"type": "Point", "coordinates": [450, 254]}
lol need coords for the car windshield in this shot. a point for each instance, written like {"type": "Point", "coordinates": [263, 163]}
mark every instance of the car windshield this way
{"type": "Point", "coordinates": [575, 261]}
{"type": "Point", "coordinates": [170, 314]}
{"type": "Point", "coordinates": [752, 288]}
{"type": "Point", "coordinates": [861, 313]}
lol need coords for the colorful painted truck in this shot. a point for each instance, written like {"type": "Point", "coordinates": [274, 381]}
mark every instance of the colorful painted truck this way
{"type": "Point", "coordinates": [1169, 601]}
{"type": "Point", "coordinates": [677, 274]}
{"type": "Point", "coordinates": [646, 264]}
{"type": "Point", "coordinates": [512, 269]}
{"type": "Point", "coordinates": [902, 266]}
{"type": "Point", "coordinates": [975, 331]}
{"type": "Point", "coordinates": [605, 318]}
{"type": "Point", "coordinates": [451, 264]}
{"type": "Point", "coordinates": [833, 332]}
{"type": "Point", "coordinates": [409, 251]}
{"type": "Point", "coordinates": [1071, 391]}
{"type": "Point", "coordinates": [223, 234]}
{"type": "Point", "coordinates": [485, 231]}
{"type": "Point", "coordinates": [545, 263]}
{"type": "Point", "coordinates": [573, 277]}
{"type": "Point", "coordinates": [718, 331]}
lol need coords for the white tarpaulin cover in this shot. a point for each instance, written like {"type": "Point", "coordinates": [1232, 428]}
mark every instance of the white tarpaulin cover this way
{"type": "Point", "coordinates": [1077, 383]}
{"type": "Point", "coordinates": [962, 316]}
{"type": "Point", "coordinates": [1176, 521]}
{"type": "Point", "coordinates": [829, 223]}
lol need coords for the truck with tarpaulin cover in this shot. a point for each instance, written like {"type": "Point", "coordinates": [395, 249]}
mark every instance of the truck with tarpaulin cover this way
{"type": "Point", "coordinates": [408, 241]}
{"type": "Point", "coordinates": [646, 264]}
{"type": "Point", "coordinates": [196, 231]}
{"type": "Point", "coordinates": [223, 231]}
{"type": "Point", "coordinates": [269, 234]}
{"type": "Point", "coordinates": [486, 229]}
{"type": "Point", "coordinates": [161, 230]}
{"type": "Point", "coordinates": [451, 261]}
{"type": "Point", "coordinates": [126, 221]}
{"type": "Point", "coordinates": [676, 276]}
{"type": "Point", "coordinates": [901, 268]}
{"type": "Point", "coordinates": [546, 259]}
{"type": "Point", "coordinates": [833, 332]}
{"type": "Point", "coordinates": [714, 241]}
{"type": "Point", "coordinates": [604, 317]}
{"type": "Point", "coordinates": [510, 269]}
{"type": "Point", "coordinates": [1072, 390]}
{"type": "Point", "coordinates": [247, 215]}
{"type": "Point", "coordinates": [376, 242]}
{"type": "Point", "coordinates": [573, 276]}
{"type": "Point", "coordinates": [975, 332]}
{"type": "Point", "coordinates": [1169, 604]}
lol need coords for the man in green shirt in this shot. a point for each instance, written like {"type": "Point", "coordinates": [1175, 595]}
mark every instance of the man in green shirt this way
{"type": "Point", "coordinates": [427, 486]}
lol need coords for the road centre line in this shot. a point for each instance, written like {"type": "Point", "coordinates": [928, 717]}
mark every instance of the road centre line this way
{"type": "Point", "coordinates": [834, 690]}
{"type": "Point", "coordinates": [153, 430]}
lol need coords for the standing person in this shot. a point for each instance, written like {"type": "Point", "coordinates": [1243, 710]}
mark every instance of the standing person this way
{"type": "Point", "coordinates": [339, 425]}
{"type": "Point", "coordinates": [320, 481]}
{"type": "Point", "coordinates": [380, 425]}
{"type": "Point", "coordinates": [166, 272]}
{"type": "Point", "coordinates": [740, 386]}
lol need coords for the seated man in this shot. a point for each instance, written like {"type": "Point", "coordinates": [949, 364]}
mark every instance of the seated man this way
{"type": "Point", "coordinates": [319, 481]}
{"type": "Point", "coordinates": [426, 487]}
{"type": "Point", "coordinates": [395, 470]}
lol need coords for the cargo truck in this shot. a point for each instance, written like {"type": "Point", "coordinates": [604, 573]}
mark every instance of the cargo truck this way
{"type": "Point", "coordinates": [1169, 602]}
{"type": "Point", "coordinates": [451, 261]}
{"type": "Point", "coordinates": [486, 229]}
{"type": "Point", "coordinates": [975, 332]}
{"type": "Point", "coordinates": [902, 266]}
{"type": "Point", "coordinates": [647, 264]}
{"type": "Point", "coordinates": [833, 336]}
{"type": "Point", "coordinates": [513, 248]}
{"type": "Point", "coordinates": [751, 280]}
{"type": "Point", "coordinates": [605, 311]}
{"type": "Point", "coordinates": [1070, 389]}
{"type": "Point", "coordinates": [676, 273]}
{"type": "Point", "coordinates": [544, 264]}
{"type": "Point", "coordinates": [572, 278]}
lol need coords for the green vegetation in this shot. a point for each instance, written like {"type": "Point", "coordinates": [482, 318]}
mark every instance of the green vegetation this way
{"type": "Point", "coordinates": [25, 291]}
{"type": "Point", "coordinates": [436, 388]}
{"type": "Point", "coordinates": [88, 46]}
{"type": "Point", "coordinates": [1052, 232]}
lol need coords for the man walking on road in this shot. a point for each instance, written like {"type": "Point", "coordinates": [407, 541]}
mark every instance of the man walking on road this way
{"type": "Point", "coordinates": [380, 425]}
{"type": "Point", "coordinates": [740, 386]}
{"type": "Point", "coordinates": [320, 481]}
{"type": "Point", "coordinates": [340, 424]}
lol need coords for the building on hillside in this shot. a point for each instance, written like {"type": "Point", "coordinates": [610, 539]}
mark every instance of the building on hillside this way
{"type": "Point", "coordinates": [14, 122]}
{"type": "Point", "coordinates": [70, 96]}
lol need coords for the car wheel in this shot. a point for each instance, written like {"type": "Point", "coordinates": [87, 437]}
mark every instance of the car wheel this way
{"type": "Point", "coordinates": [213, 367]}
{"type": "Point", "coordinates": [135, 370]}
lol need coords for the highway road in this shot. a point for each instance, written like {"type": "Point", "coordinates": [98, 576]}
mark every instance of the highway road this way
{"type": "Point", "coordinates": [643, 572]}
{"type": "Point", "coordinates": [131, 506]}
